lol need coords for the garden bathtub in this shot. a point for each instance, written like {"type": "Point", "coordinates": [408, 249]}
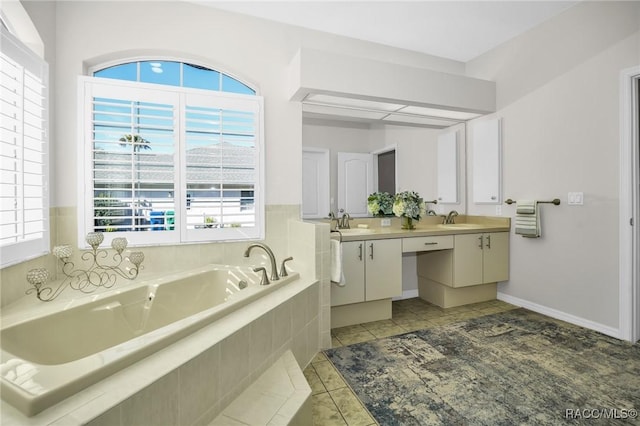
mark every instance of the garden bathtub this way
{"type": "Point", "coordinates": [49, 358]}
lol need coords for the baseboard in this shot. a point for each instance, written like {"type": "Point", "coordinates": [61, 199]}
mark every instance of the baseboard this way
{"type": "Point", "coordinates": [407, 294]}
{"type": "Point", "coordinates": [554, 313]}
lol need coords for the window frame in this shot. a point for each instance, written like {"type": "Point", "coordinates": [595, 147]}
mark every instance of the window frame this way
{"type": "Point", "coordinates": [180, 234]}
{"type": "Point", "coordinates": [24, 250]}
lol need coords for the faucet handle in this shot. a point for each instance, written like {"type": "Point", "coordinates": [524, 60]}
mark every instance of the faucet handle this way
{"type": "Point", "coordinates": [265, 279]}
{"type": "Point", "coordinates": [283, 269]}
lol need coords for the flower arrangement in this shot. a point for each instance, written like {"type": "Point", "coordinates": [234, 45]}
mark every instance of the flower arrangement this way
{"type": "Point", "coordinates": [409, 206]}
{"type": "Point", "coordinates": [380, 204]}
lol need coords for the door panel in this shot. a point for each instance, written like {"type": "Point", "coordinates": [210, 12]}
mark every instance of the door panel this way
{"type": "Point", "coordinates": [315, 183]}
{"type": "Point", "coordinates": [355, 182]}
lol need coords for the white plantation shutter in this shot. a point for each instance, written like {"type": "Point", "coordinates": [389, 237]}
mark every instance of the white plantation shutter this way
{"type": "Point", "coordinates": [168, 164]}
{"type": "Point", "coordinates": [24, 201]}
{"type": "Point", "coordinates": [222, 157]}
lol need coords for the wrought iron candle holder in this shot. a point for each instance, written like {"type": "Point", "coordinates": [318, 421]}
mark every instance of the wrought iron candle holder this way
{"type": "Point", "coordinates": [102, 271]}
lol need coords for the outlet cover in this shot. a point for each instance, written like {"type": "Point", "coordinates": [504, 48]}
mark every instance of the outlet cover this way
{"type": "Point", "coordinates": [385, 222]}
{"type": "Point", "coordinates": [575, 198]}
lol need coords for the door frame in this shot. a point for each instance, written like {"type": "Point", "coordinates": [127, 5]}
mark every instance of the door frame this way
{"type": "Point", "coordinates": [629, 222]}
{"type": "Point", "coordinates": [376, 153]}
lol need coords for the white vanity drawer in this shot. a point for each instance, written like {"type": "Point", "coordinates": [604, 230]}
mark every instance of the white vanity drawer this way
{"type": "Point", "coordinates": [427, 243]}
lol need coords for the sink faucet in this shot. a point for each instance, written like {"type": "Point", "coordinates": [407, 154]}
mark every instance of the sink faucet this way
{"type": "Point", "coordinates": [450, 218]}
{"type": "Point", "coordinates": [272, 258]}
{"type": "Point", "coordinates": [344, 222]}
{"type": "Point", "coordinates": [431, 213]}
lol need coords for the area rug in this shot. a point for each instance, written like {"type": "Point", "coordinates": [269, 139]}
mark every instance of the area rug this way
{"type": "Point", "coordinates": [511, 368]}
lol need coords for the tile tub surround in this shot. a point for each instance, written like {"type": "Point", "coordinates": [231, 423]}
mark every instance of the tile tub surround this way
{"type": "Point", "coordinates": [279, 397]}
{"type": "Point", "coordinates": [193, 380]}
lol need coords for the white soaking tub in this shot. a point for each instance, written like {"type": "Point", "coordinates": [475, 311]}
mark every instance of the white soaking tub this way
{"type": "Point", "coordinates": [49, 358]}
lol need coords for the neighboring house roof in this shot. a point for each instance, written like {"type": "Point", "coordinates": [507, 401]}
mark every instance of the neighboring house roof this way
{"type": "Point", "coordinates": [236, 165]}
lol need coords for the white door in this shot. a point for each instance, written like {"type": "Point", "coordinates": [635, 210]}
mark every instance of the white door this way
{"type": "Point", "coordinates": [315, 183]}
{"type": "Point", "coordinates": [355, 182]}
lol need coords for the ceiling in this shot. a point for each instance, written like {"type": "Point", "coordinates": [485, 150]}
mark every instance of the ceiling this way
{"type": "Point", "coordinates": [458, 30]}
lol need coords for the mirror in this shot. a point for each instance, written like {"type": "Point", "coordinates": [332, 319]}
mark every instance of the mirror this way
{"type": "Point", "coordinates": [418, 167]}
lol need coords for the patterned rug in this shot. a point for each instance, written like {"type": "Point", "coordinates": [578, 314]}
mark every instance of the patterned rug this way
{"type": "Point", "coordinates": [511, 368]}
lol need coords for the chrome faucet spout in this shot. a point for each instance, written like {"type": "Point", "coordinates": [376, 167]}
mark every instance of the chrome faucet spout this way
{"type": "Point", "coordinates": [272, 258]}
{"type": "Point", "coordinates": [450, 218]}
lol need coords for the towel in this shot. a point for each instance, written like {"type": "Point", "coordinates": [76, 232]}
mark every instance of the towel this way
{"type": "Point", "coordinates": [528, 219]}
{"type": "Point", "coordinates": [337, 276]}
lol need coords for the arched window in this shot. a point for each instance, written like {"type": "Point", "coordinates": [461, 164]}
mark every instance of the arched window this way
{"type": "Point", "coordinates": [171, 73]}
{"type": "Point", "coordinates": [173, 152]}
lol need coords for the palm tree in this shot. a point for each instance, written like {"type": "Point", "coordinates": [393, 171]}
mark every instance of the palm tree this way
{"type": "Point", "coordinates": [139, 143]}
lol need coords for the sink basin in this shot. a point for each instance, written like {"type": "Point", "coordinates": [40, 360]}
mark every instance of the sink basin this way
{"type": "Point", "coordinates": [460, 225]}
{"type": "Point", "coordinates": [357, 231]}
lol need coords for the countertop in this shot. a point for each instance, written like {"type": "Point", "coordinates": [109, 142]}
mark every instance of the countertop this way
{"type": "Point", "coordinates": [430, 226]}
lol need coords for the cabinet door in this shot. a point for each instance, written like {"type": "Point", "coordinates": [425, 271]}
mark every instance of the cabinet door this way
{"type": "Point", "coordinates": [383, 269]}
{"type": "Point", "coordinates": [486, 162]}
{"type": "Point", "coordinates": [353, 268]}
{"type": "Point", "coordinates": [496, 257]}
{"type": "Point", "coordinates": [448, 168]}
{"type": "Point", "coordinates": [467, 260]}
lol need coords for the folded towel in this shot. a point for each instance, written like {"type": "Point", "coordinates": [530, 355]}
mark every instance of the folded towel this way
{"type": "Point", "coordinates": [528, 219]}
{"type": "Point", "coordinates": [337, 276]}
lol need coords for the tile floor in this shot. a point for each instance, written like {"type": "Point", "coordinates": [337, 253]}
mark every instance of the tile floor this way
{"type": "Point", "coordinates": [333, 401]}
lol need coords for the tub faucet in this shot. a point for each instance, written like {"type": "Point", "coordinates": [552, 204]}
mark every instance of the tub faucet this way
{"type": "Point", "coordinates": [451, 217]}
{"type": "Point", "coordinates": [272, 258]}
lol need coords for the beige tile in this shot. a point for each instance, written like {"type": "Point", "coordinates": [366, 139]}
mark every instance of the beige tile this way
{"type": "Point", "coordinates": [376, 325]}
{"type": "Point", "coordinates": [255, 407]}
{"type": "Point", "coordinates": [359, 337]}
{"type": "Point", "coordinates": [413, 324]}
{"type": "Point", "coordinates": [335, 343]}
{"type": "Point", "coordinates": [156, 404]}
{"type": "Point", "coordinates": [320, 356]}
{"type": "Point", "coordinates": [199, 387]}
{"type": "Point", "coordinates": [350, 329]}
{"type": "Point", "coordinates": [314, 380]}
{"type": "Point", "coordinates": [388, 331]}
{"type": "Point", "coordinates": [329, 376]}
{"type": "Point", "coordinates": [325, 412]}
{"type": "Point", "coordinates": [351, 408]}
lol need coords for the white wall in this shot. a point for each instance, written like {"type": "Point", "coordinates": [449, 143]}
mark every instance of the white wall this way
{"type": "Point", "coordinates": [336, 136]}
{"type": "Point", "coordinates": [558, 97]}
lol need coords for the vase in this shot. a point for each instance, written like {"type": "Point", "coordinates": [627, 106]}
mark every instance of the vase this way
{"type": "Point", "coordinates": [407, 223]}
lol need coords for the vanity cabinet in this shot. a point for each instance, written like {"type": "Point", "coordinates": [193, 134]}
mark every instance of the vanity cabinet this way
{"type": "Point", "coordinates": [475, 259]}
{"type": "Point", "coordinates": [480, 258]}
{"type": "Point", "coordinates": [372, 271]}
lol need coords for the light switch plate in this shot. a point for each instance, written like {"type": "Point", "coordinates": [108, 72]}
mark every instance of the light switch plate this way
{"type": "Point", "coordinates": [575, 198]}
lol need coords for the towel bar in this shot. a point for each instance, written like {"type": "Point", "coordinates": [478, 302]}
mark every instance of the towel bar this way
{"type": "Point", "coordinates": [555, 201]}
